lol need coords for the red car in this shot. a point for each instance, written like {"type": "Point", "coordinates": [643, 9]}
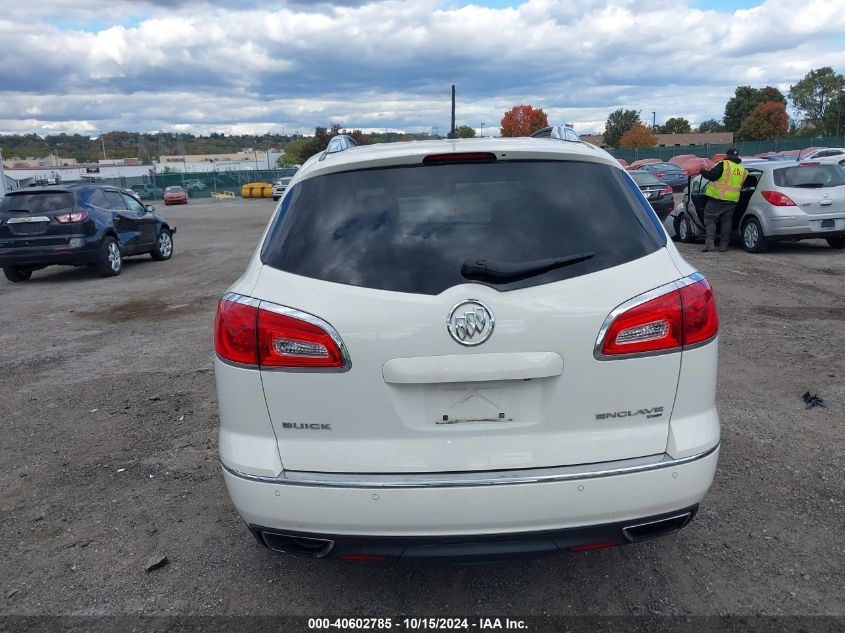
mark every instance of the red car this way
{"type": "Point", "coordinates": [691, 164]}
{"type": "Point", "coordinates": [175, 195]}
{"type": "Point", "coordinates": [643, 161]}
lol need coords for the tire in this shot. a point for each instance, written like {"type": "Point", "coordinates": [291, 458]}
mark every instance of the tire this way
{"type": "Point", "coordinates": [836, 242]}
{"type": "Point", "coordinates": [164, 246]}
{"type": "Point", "coordinates": [111, 259]}
{"type": "Point", "coordinates": [753, 239]}
{"type": "Point", "coordinates": [16, 274]}
{"type": "Point", "coordinates": [683, 229]}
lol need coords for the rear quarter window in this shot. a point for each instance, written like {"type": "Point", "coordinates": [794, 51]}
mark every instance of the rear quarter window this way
{"type": "Point", "coordinates": [410, 228]}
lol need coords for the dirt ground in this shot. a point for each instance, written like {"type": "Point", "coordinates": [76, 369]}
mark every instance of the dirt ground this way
{"type": "Point", "coordinates": [109, 456]}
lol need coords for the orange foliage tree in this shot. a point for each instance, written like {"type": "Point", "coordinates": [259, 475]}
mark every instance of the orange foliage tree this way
{"type": "Point", "coordinates": [522, 120]}
{"type": "Point", "coordinates": [638, 136]}
{"type": "Point", "coordinates": [766, 122]}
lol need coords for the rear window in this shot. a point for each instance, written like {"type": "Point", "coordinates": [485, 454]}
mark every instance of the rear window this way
{"type": "Point", "coordinates": [666, 166]}
{"type": "Point", "coordinates": [411, 228]}
{"type": "Point", "coordinates": [36, 202]}
{"type": "Point", "coordinates": [643, 178]}
{"type": "Point", "coordinates": [810, 176]}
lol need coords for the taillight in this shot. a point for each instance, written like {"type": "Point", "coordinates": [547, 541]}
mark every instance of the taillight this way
{"type": "Point", "coordinates": [74, 216]}
{"type": "Point", "coordinates": [286, 341]}
{"type": "Point", "coordinates": [668, 189]}
{"type": "Point", "coordinates": [659, 175]}
{"type": "Point", "coordinates": [810, 162]}
{"type": "Point", "coordinates": [258, 334]}
{"type": "Point", "coordinates": [777, 198]}
{"type": "Point", "coordinates": [670, 321]}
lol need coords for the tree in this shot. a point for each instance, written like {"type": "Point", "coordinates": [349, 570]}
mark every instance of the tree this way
{"type": "Point", "coordinates": [638, 136]}
{"type": "Point", "coordinates": [710, 125]}
{"type": "Point", "coordinates": [292, 152]}
{"type": "Point", "coordinates": [619, 122]}
{"type": "Point", "coordinates": [676, 125]}
{"type": "Point", "coordinates": [466, 131]}
{"type": "Point", "coordinates": [522, 120]}
{"type": "Point", "coordinates": [818, 96]}
{"type": "Point", "coordinates": [766, 122]}
{"type": "Point", "coordinates": [745, 99]}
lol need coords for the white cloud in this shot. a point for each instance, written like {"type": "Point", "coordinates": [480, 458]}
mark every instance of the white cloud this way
{"type": "Point", "coordinates": [219, 66]}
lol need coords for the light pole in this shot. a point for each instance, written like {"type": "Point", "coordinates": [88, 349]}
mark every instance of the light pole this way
{"type": "Point", "coordinates": [653, 121]}
{"type": "Point", "coordinates": [482, 129]}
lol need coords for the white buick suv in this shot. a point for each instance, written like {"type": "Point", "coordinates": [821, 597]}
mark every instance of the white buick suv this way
{"type": "Point", "coordinates": [469, 349]}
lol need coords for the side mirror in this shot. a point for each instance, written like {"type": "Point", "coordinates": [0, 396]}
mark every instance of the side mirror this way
{"type": "Point", "coordinates": [149, 208]}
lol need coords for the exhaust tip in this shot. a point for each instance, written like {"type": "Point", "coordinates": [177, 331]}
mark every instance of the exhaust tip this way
{"type": "Point", "coordinates": [653, 529]}
{"type": "Point", "coordinates": [297, 545]}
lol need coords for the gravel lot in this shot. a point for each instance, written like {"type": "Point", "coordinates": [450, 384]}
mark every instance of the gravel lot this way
{"type": "Point", "coordinates": [108, 446]}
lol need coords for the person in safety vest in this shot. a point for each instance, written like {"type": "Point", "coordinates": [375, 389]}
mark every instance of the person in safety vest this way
{"type": "Point", "coordinates": [726, 178]}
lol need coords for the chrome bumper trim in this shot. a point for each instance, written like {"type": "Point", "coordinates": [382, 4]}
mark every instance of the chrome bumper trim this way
{"type": "Point", "coordinates": [485, 478]}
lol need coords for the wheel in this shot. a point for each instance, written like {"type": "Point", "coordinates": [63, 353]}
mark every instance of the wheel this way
{"type": "Point", "coordinates": [164, 247]}
{"type": "Point", "coordinates": [16, 273]}
{"type": "Point", "coordinates": [111, 260]}
{"type": "Point", "coordinates": [835, 242]}
{"type": "Point", "coordinates": [683, 229]}
{"type": "Point", "coordinates": [753, 239]}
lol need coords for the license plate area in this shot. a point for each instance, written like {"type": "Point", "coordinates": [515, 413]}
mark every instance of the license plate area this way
{"type": "Point", "coordinates": [828, 224]}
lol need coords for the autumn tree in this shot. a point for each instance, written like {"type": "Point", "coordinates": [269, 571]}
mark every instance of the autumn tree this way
{"type": "Point", "coordinates": [766, 122]}
{"type": "Point", "coordinates": [710, 125]}
{"type": "Point", "coordinates": [522, 120]}
{"type": "Point", "coordinates": [619, 122]}
{"type": "Point", "coordinates": [676, 125]}
{"type": "Point", "coordinates": [745, 99]}
{"type": "Point", "coordinates": [638, 136]}
{"type": "Point", "coordinates": [466, 131]}
{"type": "Point", "coordinates": [819, 97]}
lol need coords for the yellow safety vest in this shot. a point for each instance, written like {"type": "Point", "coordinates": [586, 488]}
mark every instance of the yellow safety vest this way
{"type": "Point", "coordinates": [729, 186]}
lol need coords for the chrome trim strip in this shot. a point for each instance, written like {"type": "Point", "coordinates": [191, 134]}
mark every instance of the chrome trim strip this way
{"type": "Point", "coordinates": [639, 300]}
{"type": "Point", "coordinates": [462, 480]}
{"type": "Point", "coordinates": [242, 299]}
{"type": "Point", "coordinates": [28, 219]}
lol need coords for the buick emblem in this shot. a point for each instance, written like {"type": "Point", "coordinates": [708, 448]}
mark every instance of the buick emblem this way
{"type": "Point", "coordinates": [470, 323]}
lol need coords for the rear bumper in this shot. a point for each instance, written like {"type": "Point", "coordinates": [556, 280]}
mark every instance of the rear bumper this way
{"type": "Point", "coordinates": [79, 251]}
{"type": "Point", "coordinates": [572, 509]}
{"type": "Point", "coordinates": [804, 226]}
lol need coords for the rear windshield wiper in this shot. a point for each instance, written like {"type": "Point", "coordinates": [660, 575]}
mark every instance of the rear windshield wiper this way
{"type": "Point", "coordinates": [810, 185]}
{"type": "Point", "coordinates": [502, 272]}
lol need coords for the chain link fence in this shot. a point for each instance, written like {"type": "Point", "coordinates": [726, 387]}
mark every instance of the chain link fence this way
{"type": "Point", "coordinates": [746, 148]}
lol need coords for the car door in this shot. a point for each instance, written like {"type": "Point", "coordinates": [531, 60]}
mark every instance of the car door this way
{"type": "Point", "coordinates": [126, 222]}
{"type": "Point", "coordinates": [146, 222]}
{"type": "Point", "coordinates": [698, 186]}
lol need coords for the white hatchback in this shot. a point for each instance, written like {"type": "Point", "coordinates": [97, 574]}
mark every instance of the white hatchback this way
{"type": "Point", "coordinates": [468, 349]}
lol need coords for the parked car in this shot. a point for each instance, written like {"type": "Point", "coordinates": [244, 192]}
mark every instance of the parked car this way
{"type": "Point", "coordinates": [175, 195]}
{"type": "Point", "coordinates": [279, 187]}
{"type": "Point", "coordinates": [657, 192]}
{"type": "Point", "coordinates": [691, 164]}
{"type": "Point", "coordinates": [195, 185]}
{"type": "Point", "coordinates": [147, 191]}
{"type": "Point", "coordinates": [826, 155]}
{"type": "Point", "coordinates": [779, 201]}
{"type": "Point", "coordinates": [671, 174]}
{"type": "Point", "coordinates": [78, 225]}
{"type": "Point", "coordinates": [638, 164]}
{"type": "Point", "coordinates": [623, 162]}
{"type": "Point", "coordinates": [447, 349]}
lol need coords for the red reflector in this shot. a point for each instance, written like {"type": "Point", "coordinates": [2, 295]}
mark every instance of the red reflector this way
{"type": "Point", "coordinates": [811, 163]}
{"type": "Point", "coordinates": [659, 175]}
{"type": "Point", "coordinates": [234, 332]}
{"type": "Point", "coordinates": [74, 216]}
{"type": "Point", "coordinates": [592, 546]}
{"type": "Point", "coordinates": [701, 320]}
{"type": "Point", "coordinates": [777, 198]}
{"type": "Point", "coordinates": [284, 341]}
{"type": "Point", "coordinates": [362, 557]}
{"type": "Point", "coordinates": [458, 157]}
{"type": "Point", "coordinates": [651, 326]}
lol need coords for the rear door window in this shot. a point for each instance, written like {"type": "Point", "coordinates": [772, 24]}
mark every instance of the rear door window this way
{"type": "Point", "coordinates": [37, 202]}
{"type": "Point", "coordinates": [810, 176]}
{"type": "Point", "coordinates": [92, 197]}
{"type": "Point", "coordinates": [411, 228]}
{"type": "Point", "coordinates": [115, 201]}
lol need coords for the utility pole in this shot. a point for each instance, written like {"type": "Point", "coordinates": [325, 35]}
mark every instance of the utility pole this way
{"type": "Point", "coordinates": [482, 130]}
{"type": "Point", "coordinates": [103, 141]}
{"type": "Point", "coordinates": [453, 133]}
{"type": "Point", "coordinates": [653, 121]}
{"type": "Point", "coordinates": [2, 177]}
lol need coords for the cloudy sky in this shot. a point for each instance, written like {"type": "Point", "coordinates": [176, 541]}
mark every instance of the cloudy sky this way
{"type": "Point", "coordinates": [252, 66]}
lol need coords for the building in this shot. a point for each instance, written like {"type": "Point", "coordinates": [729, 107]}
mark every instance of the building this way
{"type": "Point", "coordinates": [34, 163]}
{"type": "Point", "coordinates": [672, 140]}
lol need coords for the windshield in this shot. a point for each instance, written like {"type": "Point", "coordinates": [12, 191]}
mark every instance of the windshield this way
{"type": "Point", "coordinates": [810, 176]}
{"type": "Point", "coordinates": [173, 190]}
{"type": "Point", "coordinates": [413, 228]}
{"type": "Point", "coordinates": [36, 202]}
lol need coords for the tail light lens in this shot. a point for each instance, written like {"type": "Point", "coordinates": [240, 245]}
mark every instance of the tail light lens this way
{"type": "Point", "coordinates": [458, 157]}
{"type": "Point", "coordinates": [247, 333]}
{"type": "Point", "coordinates": [667, 190]}
{"type": "Point", "coordinates": [777, 199]}
{"type": "Point", "coordinates": [77, 215]}
{"type": "Point", "coordinates": [659, 174]}
{"type": "Point", "coordinates": [673, 320]}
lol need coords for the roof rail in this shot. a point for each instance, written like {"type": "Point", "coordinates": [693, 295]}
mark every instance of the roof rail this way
{"type": "Point", "coordinates": [339, 143]}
